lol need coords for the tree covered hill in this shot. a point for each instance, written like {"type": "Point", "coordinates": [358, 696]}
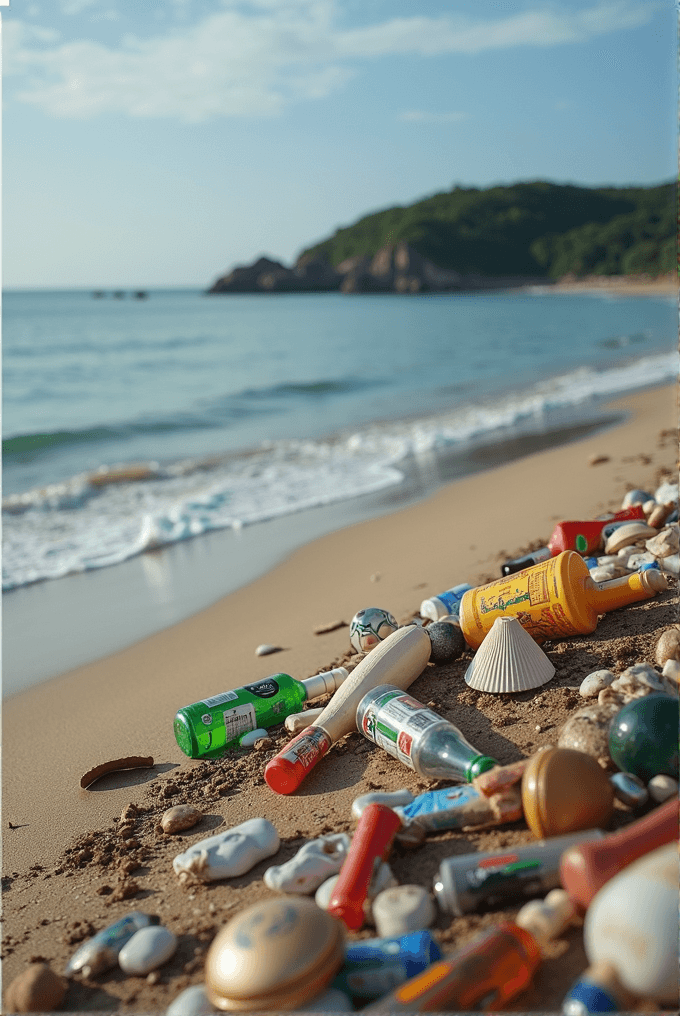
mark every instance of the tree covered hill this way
{"type": "Point", "coordinates": [534, 229]}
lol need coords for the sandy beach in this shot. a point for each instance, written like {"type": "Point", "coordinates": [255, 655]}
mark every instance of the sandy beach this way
{"type": "Point", "coordinates": [61, 884]}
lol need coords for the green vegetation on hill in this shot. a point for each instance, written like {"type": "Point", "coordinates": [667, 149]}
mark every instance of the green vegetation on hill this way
{"type": "Point", "coordinates": [533, 229]}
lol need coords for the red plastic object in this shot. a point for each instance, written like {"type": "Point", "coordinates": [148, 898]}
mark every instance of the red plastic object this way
{"type": "Point", "coordinates": [372, 839]}
{"type": "Point", "coordinates": [586, 868]}
{"type": "Point", "coordinates": [285, 772]}
{"type": "Point", "coordinates": [586, 536]}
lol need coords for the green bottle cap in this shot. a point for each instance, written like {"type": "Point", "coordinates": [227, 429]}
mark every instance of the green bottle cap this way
{"type": "Point", "coordinates": [480, 765]}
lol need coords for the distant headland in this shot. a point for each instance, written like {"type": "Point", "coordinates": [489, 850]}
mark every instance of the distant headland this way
{"type": "Point", "coordinates": [468, 239]}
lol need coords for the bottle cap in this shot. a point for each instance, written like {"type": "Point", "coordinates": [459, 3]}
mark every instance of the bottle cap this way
{"type": "Point", "coordinates": [326, 683]}
{"type": "Point", "coordinates": [480, 765]}
{"type": "Point", "coordinates": [286, 771]}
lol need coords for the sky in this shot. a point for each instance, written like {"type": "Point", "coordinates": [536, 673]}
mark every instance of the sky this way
{"type": "Point", "coordinates": [159, 143]}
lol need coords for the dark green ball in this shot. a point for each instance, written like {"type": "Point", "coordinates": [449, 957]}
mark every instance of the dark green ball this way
{"type": "Point", "coordinates": [447, 641]}
{"type": "Point", "coordinates": [643, 737]}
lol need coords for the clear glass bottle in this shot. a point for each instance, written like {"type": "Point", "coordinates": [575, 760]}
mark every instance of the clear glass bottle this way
{"type": "Point", "coordinates": [418, 737]}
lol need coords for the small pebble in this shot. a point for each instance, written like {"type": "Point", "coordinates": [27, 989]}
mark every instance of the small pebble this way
{"type": "Point", "coordinates": [668, 646]}
{"type": "Point", "coordinates": [403, 909]}
{"type": "Point", "coordinates": [587, 730]}
{"type": "Point", "coordinates": [37, 989]}
{"type": "Point", "coordinates": [593, 684]}
{"type": "Point", "coordinates": [249, 739]}
{"type": "Point", "coordinates": [182, 816]}
{"type": "Point", "coordinates": [629, 789]}
{"type": "Point", "coordinates": [634, 497]}
{"type": "Point", "coordinates": [266, 650]}
{"type": "Point", "coordinates": [192, 1001]}
{"type": "Point", "coordinates": [147, 949]}
{"type": "Point", "coordinates": [662, 787]}
{"type": "Point", "coordinates": [322, 629]}
{"type": "Point", "coordinates": [263, 743]}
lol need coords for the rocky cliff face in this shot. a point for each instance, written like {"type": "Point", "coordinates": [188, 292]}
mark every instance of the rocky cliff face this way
{"type": "Point", "coordinates": [396, 268]}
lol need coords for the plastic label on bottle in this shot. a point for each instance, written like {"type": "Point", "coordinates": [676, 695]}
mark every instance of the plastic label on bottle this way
{"type": "Point", "coordinates": [392, 722]}
{"type": "Point", "coordinates": [239, 720]}
{"type": "Point", "coordinates": [218, 700]}
{"type": "Point", "coordinates": [266, 688]}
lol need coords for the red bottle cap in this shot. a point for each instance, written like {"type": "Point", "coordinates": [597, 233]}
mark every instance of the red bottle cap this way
{"type": "Point", "coordinates": [286, 771]}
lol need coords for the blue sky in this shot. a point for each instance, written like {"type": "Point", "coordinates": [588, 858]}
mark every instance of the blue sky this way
{"type": "Point", "coordinates": [161, 143]}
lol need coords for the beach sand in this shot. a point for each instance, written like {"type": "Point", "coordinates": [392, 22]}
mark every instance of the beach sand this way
{"type": "Point", "coordinates": [66, 873]}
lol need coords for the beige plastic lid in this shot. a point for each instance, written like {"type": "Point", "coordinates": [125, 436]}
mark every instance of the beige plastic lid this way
{"type": "Point", "coordinates": [277, 954]}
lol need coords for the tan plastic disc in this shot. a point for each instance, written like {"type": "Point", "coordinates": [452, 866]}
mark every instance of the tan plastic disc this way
{"type": "Point", "coordinates": [564, 791]}
{"type": "Point", "coordinates": [277, 954]}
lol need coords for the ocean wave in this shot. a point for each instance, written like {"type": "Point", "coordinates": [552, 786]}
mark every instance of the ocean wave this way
{"type": "Point", "coordinates": [101, 518]}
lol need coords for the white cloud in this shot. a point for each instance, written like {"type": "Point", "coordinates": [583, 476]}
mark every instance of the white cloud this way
{"type": "Point", "coordinates": [255, 58]}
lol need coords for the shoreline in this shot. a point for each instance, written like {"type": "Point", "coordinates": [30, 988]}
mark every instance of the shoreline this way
{"type": "Point", "coordinates": [123, 705]}
{"type": "Point", "coordinates": [151, 591]}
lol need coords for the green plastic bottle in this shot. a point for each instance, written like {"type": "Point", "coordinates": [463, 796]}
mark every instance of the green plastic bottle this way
{"type": "Point", "coordinates": [207, 728]}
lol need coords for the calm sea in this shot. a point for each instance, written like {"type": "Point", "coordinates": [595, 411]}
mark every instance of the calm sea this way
{"type": "Point", "coordinates": [243, 408]}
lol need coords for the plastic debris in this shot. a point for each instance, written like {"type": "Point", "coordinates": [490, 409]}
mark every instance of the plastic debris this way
{"type": "Point", "coordinates": [314, 862]}
{"type": "Point", "coordinates": [232, 852]}
{"type": "Point", "coordinates": [564, 791]}
{"type": "Point", "coordinates": [100, 952]}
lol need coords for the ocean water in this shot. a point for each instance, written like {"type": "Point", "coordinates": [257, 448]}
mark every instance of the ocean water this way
{"type": "Point", "coordinates": [131, 424]}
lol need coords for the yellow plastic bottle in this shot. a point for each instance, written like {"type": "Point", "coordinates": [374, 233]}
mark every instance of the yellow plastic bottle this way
{"type": "Point", "coordinates": [553, 599]}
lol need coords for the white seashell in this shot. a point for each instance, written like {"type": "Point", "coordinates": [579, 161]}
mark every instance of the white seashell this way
{"type": "Point", "coordinates": [671, 564]}
{"type": "Point", "coordinates": [313, 864]}
{"type": "Point", "coordinates": [641, 678]}
{"type": "Point", "coordinates": [665, 543]}
{"type": "Point", "coordinates": [230, 853]}
{"type": "Point", "coordinates": [662, 787]}
{"type": "Point", "coordinates": [632, 923]}
{"type": "Point", "coordinates": [299, 721]}
{"type": "Point", "coordinates": [267, 650]}
{"type": "Point", "coordinates": [635, 561]}
{"type": "Point", "coordinates": [181, 816]}
{"type": "Point", "coordinates": [606, 572]}
{"type": "Point", "coordinates": [593, 684]}
{"type": "Point", "coordinates": [192, 1001]}
{"type": "Point", "coordinates": [403, 909]}
{"type": "Point", "coordinates": [625, 536]}
{"type": "Point", "coordinates": [249, 739]}
{"type": "Point", "coordinates": [508, 660]}
{"type": "Point", "coordinates": [147, 949]}
{"type": "Point", "coordinates": [391, 799]}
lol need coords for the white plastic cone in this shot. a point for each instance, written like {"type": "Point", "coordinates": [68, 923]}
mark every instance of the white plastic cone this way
{"type": "Point", "coordinates": [508, 660]}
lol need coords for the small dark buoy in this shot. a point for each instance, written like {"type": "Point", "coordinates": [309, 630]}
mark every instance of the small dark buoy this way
{"type": "Point", "coordinates": [448, 641]}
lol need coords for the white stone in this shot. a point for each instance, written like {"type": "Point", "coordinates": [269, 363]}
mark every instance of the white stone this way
{"type": "Point", "coordinates": [395, 797]}
{"type": "Point", "coordinates": [403, 909]}
{"type": "Point", "coordinates": [603, 573]}
{"type": "Point", "coordinates": [147, 949]}
{"type": "Point", "coordinates": [249, 739]}
{"type": "Point", "coordinates": [192, 1001]}
{"type": "Point", "coordinates": [314, 862]}
{"type": "Point", "coordinates": [593, 684]}
{"type": "Point", "coordinates": [671, 670]}
{"type": "Point", "coordinates": [662, 787]}
{"type": "Point", "coordinates": [265, 650]}
{"type": "Point", "coordinates": [232, 852]}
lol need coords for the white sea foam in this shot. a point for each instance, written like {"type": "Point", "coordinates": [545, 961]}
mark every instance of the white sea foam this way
{"type": "Point", "coordinates": [76, 526]}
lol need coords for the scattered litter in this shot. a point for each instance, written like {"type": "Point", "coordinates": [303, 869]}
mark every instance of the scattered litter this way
{"type": "Point", "coordinates": [232, 852]}
{"type": "Point", "coordinates": [313, 864]}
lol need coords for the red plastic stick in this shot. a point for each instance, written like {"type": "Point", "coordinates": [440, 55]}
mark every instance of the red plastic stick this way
{"type": "Point", "coordinates": [372, 839]}
{"type": "Point", "coordinates": [285, 772]}
{"type": "Point", "coordinates": [585, 869]}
